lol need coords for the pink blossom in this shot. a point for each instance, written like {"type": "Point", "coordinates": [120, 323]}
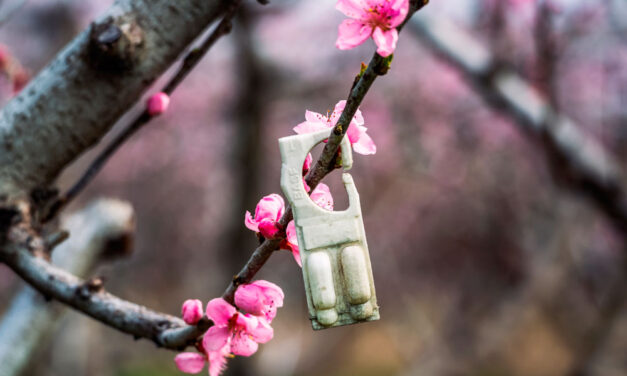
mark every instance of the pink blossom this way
{"type": "Point", "coordinates": [307, 164]}
{"type": "Point", "coordinates": [376, 18]}
{"type": "Point", "coordinates": [193, 363]}
{"type": "Point", "coordinates": [157, 104]}
{"type": "Point", "coordinates": [322, 197]}
{"type": "Point", "coordinates": [241, 333]}
{"type": "Point", "coordinates": [189, 362]}
{"type": "Point", "coordinates": [260, 298]}
{"type": "Point", "coordinates": [192, 311]}
{"type": "Point", "coordinates": [356, 133]}
{"type": "Point", "coordinates": [267, 214]}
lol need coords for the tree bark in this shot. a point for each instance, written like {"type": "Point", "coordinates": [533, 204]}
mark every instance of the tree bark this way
{"type": "Point", "coordinates": [76, 99]}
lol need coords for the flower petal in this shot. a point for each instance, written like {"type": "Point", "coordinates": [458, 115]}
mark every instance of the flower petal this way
{"type": "Point", "coordinates": [215, 338]}
{"type": "Point", "coordinates": [217, 360]}
{"type": "Point", "coordinates": [268, 228]}
{"type": "Point", "coordinates": [364, 145]}
{"type": "Point", "coordinates": [263, 332]}
{"type": "Point", "coordinates": [385, 41]}
{"type": "Point", "coordinates": [189, 362]}
{"type": "Point", "coordinates": [292, 239]}
{"type": "Point", "coordinates": [220, 311]}
{"type": "Point", "coordinates": [250, 222]}
{"type": "Point", "coordinates": [352, 8]}
{"type": "Point", "coordinates": [352, 33]}
{"type": "Point", "coordinates": [322, 196]}
{"type": "Point", "coordinates": [250, 299]}
{"type": "Point", "coordinates": [243, 345]}
{"type": "Point", "coordinates": [309, 127]}
{"type": "Point", "coordinates": [402, 6]}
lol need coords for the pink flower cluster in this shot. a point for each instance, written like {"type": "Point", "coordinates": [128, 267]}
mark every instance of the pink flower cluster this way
{"type": "Point", "coordinates": [233, 332]}
{"type": "Point", "coordinates": [270, 209]}
{"type": "Point", "coordinates": [376, 18]}
{"type": "Point", "coordinates": [356, 133]}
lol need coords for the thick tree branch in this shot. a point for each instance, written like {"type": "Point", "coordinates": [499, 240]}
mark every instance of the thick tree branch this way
{"type": "Point", "coordinates": [101, 231]}
{"type": "Point", "coordinates": [189, 62]}
{"type": "Point", "coordinates": [577, 161]}
{"type": "Point", "coordinates": [74, 101]}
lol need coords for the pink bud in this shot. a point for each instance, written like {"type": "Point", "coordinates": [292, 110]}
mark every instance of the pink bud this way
{"type": "Point", "coordinates": [268, 228]}
{"type": "Point", "coordinates": [158, 104]}
{"type": "Point", "coordinates": [192, 311]}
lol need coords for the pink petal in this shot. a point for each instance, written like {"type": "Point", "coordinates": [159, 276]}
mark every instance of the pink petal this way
{"type": "Point", "coordinates": [250, 222]}
{"type": "Point", "coordinates": [307, 164]}
{"type": "Point", "coordinates": [314, 117]}
{"type": "Point", "coordinates": [217, 360]}
{"type": "Point", "coordinates": [192, 311]}
{"type": "Point", "coordinates": [290, 231]}
{"type": "Point", "coordinates": [365, 145]}
{"type": "Point", "coordinates": [296, 254]}
{"type": "Point", "coordinates": [352, 8]}
{"type": "Point", "coordinates": [292, 240]}
{"type": "Point", "coordinates": [263, 332]}
{"type": "Point", "coordinates": [337, 112]}
{"type": "Point", "coordinates": [190, 362]}
{"type": "Point", "coordinates": [358, 118]}
{"type": "Point", "coordinates": [352, 33]}
{"type": "Point", "coordinates": [309, 127]}
{"type": "Point", "coordinates": [307, 188]}
{"type": "Point", "coordinates": [157, 104]}
{"type": "Point", "coordinates": [220, 311]}
{"type": "Point", "coordinates": [268, 228]}
{"type": "Point", "coordinates": [271, 207]}
{"type": "Point", "coordinates": [246, 322]}
{"type": "Point", "coordinates": [353, 133]}
{"type": "Point", "coordinates": [271, 291]}
{"type": "Point", "coordinates": [322, 196]}
{"type": "Point", "coordinates": [402, 6]}
{"type": "Point", "coordinates": [250, 299]}
{"type": "Point", "coordinates": [385, 41]}
{"type": "Point", "coordinates": [243, 345]}
{"type": "Point", "coordinates": [215, 338]}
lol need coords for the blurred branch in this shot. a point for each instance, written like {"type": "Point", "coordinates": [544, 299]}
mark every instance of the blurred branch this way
{"type": "Point", "coordinates": [577, 161]}
{"type": "Point", "coordinates": [190, 61]}
{"type": "Point", "coordinates": [24, 252]}
{"type": "Point", "coordinates": [102, 231]}
{"type": "Point", "coordinates": [378, 66]}
{"type": "Point", "coordinates": [13, 8]}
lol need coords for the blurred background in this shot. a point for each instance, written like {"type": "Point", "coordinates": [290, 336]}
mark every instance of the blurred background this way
{"type": "Point", "coordinates": [484, 263]}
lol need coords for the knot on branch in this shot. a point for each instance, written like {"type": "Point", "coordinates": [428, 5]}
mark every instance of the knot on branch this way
{"type": "Point", "coordinates": [92, 286]}
{"type": "Point", "coordinates": [115, 44]}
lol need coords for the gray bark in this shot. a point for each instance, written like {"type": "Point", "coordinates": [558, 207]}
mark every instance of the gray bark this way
{"type": "Point", "coordinates": [30, 318]}
{"type": "Point", "coordinates": [76, 99]}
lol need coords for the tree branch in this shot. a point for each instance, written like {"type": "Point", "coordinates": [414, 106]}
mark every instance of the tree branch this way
{"type": "Point", "coordinates": [21, 248]}
{"type": "Point", "coordinates": [190, 61]}
{"type": "Point", "coordinates": [577, 161]}
{"type": "Point", "coordinates": [378, 66]}
{"type": "Point", "coordinates": [102, 231]}
{"type": "Point", "coordinates": [74, 101]}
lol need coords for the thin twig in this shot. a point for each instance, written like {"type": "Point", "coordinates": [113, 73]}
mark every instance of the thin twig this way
{"type": "Point", "coordinates": [190, 61]}
{"type": "Point", "coordinates": [378, 66]}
